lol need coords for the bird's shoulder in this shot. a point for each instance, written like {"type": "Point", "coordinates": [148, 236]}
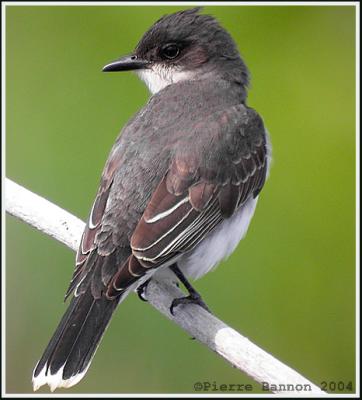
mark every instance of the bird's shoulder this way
{"type": "Point", "coordinates": [224, 146]}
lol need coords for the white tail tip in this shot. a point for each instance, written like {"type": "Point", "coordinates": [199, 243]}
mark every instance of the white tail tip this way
{"type": "Point", "coordinates": [55, 381]}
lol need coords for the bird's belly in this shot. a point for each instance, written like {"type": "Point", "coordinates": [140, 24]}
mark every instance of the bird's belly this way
{"type": "Point", "coordinates": [219, 244]}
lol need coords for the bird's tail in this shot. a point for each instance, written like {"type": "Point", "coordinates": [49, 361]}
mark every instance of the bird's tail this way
{"type": "Point", "coordinates": [75, 341]}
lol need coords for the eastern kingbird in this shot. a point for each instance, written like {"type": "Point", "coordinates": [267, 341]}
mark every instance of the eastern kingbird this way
{"type": "Point", "coordinates": [178, 190]}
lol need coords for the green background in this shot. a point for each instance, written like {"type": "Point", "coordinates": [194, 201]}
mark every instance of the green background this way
{"type": "Point", "coordinates": [289, 286]}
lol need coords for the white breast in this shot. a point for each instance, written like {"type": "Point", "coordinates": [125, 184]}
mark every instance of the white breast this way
{"type": "Point", "coordinates": [219, 244]}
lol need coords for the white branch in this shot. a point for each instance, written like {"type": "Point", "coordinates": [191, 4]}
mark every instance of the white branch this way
{"type": "Point", "coordinates": [215, 334]}
{"type": "Point", "coordinates": [43, 215]}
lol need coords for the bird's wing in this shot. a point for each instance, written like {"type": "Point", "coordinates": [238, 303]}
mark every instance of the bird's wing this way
{"type": "Point", "coordinates": [87, 257]}
{"type": "Point", "coordinates": [197, 193]}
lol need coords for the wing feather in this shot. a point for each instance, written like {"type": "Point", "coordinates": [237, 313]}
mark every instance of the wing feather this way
{"type": "Point", "coordinates": [84, 270]}
{"type": "Point", "coordinates": [193, 198]}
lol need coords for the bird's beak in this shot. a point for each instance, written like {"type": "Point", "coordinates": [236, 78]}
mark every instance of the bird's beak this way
{"type": "Point", "coordinates": [127, 63]}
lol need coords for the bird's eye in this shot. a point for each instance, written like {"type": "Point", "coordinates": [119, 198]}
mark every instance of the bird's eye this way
{"type": "Point", "coordinates": [170, 51]}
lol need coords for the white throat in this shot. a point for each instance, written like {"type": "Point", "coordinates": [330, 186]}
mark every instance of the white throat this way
{"type": "Point", "coordinates": [158, 77]}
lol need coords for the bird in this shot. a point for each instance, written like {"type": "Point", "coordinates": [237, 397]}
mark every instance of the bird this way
{"type": "Point", "coordinates": [178, 190]}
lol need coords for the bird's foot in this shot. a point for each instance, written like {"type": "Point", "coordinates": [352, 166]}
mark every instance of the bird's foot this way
{"type": "Point", "coordinates": [193, 298]}
{"type": "Point", "coordinates": [141, 290]}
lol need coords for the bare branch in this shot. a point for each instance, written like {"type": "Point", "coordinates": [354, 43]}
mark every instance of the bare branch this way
{"type": "Point", "coordinates": [43, 215]}
{"type": "Point", "coordinates": [215, 334]}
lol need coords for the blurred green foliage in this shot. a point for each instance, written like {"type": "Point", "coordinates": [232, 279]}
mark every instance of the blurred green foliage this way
{"type": "Point", "coordinates": [290, 285]}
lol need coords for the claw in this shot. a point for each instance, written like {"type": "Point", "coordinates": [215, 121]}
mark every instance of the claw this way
{"type": "Point", "coordinates": [141, 290]}
{"type": "Point", "coordinates": [191, 299]}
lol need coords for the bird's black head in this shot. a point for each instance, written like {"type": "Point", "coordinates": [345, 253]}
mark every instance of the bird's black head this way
{"type": "Point", "coordinates": [184, 46]}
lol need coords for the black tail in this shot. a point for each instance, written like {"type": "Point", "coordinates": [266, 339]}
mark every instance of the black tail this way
{"type": "Point", "coordinates": [71, 349]}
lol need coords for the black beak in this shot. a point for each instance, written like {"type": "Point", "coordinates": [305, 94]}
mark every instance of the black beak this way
{"type": "Point", "coordinates": [127, 63]}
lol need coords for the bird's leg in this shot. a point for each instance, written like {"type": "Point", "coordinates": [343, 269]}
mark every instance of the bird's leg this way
{"type": "Point", "coordinates": [193, 297]}
{"type": "Point", "coordinates": [141, 289]}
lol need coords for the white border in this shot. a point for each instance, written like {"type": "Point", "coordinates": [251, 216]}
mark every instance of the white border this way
{"type": "Point", "coordinates": [181, 3]}
{"type": "Point", "coordinates": [358, 165]}
{"type": "Point", "coordinates": [176, 3]}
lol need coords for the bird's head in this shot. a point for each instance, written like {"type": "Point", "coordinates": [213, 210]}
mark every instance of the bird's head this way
{"type": "Point", "coordinates": [183, 46]}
